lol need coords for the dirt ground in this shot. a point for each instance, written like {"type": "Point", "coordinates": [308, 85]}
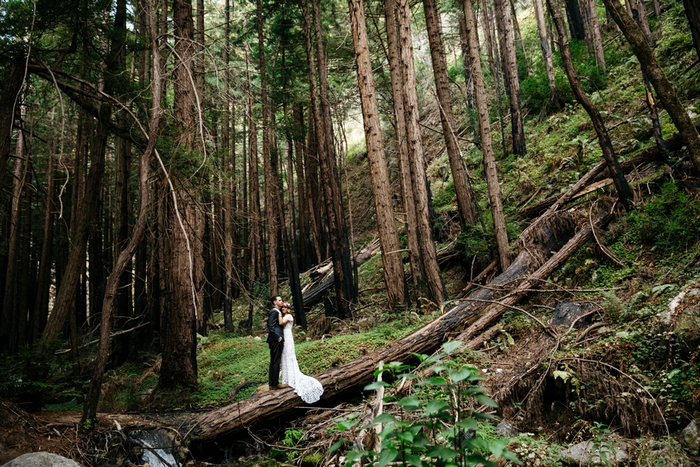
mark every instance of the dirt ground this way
{"type": "Point", "coordinates": [22, 432]}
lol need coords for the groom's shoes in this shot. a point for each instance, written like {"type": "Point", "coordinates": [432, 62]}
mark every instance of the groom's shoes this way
{"type": "Point", "coordinates": [279, 386]}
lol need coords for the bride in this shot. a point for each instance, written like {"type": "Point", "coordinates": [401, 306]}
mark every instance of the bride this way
{"type": "Point", "coordinates": [306, 387]}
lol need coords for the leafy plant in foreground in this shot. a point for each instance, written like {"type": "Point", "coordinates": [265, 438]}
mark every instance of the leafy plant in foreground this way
{"type": "Point", "coordinates": [436, 425]}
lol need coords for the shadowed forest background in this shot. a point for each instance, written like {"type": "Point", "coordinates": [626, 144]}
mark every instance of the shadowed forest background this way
{"type": "Point", "coordinates": [405, 173]}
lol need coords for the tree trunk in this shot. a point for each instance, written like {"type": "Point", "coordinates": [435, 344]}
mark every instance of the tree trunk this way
{"type": "Point", "coordinates": [86, 202]}
{"type": "Point", "coordinates": [591, 14]}
{"type": "Point", "coordinates": [657, 77]}
{"type": "Point", "coordinates": [431, 269]}
{"type": "Point", "coordinates": [397, 87]}
{"type": "Point", "coordinates": [573, 14]}
{"type": "Point", "coordinates": [546, 53]}
{"type": "Point", "coordinates": [492, 54]}
{"type": "Point", "coordinates": [184, 249]}
{"type": "Point", "coordinates": [12, 85]}
{"type": "Point", "coordinates": [123, 260]}
{"type": "Point", "coordinates": [381, 187]}
{"type": "Point", "coordinates": [623, 189]}
{"type": "Point", "coordinates": [256, 259]}
{"type": "Point", "coordinates": [460, 177]}
{"type": "Point", "coordinates": [11, 313]}
{"type": "Point", "coordinates": [269, 163]}
{"type": "Point", "coordinates": [511, 75]}
{"type": "Point", "coordinates": [692, 11]}
{"type": "Point", "coordinates": [41, 305]}
{"type": "Point", "coordinates": [486, 142]}
{"type": "Point", "coordinates": [345, 284]}
{"type": "Point", "coordinates": [466, 66]}
{"type": "Point", "coordinates": [518, 38]}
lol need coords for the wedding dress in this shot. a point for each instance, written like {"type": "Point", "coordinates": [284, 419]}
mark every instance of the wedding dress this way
{"type": "Point", "coordinates": [306, 387]}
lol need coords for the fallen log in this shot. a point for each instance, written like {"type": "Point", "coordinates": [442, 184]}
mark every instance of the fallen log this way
{"type": "Point", "coordinates": [339, 381]}
{"type": "Point", "coordinates": [314, 291]}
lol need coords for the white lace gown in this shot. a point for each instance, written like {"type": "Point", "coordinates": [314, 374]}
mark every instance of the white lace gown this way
{"type": "Point", "coordinates": [306, 387]}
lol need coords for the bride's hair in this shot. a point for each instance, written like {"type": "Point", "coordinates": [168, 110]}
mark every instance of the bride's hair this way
{"type": "Point", "coordinates": [286, 308]}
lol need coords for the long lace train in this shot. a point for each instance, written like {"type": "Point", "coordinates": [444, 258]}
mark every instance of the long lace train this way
{"type": "Point", "coordinates": [306, 387]}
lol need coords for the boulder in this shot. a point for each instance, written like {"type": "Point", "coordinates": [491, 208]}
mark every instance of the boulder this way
{"type": "Point", "coordinates": [590, 453]}
{"type": "Point", "coordinates": [506, 430]}
{"type": "Point", "coordinates": [690, 438]}
{"type": "Point", "coordinates": [566, 313]}
{"type": "Point", "coordinates": [41, 459]}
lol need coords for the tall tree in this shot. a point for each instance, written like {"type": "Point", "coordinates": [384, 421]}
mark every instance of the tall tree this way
{"type": "Point", "coordinates": [184, 253]}
{"type": "Point", "coordinates": [573, 14]}
{"type": "Point", "coordinates": [460, 177]}
{"type": "Point", "coordinates": [692, 12]}
{"type": "Point", "coordinates": [87, 421]}
{"type": "Point", "coordinates": [431, 269]}
{"type": "Point", "coordinates": [381, 187]}
{"type": "Point", "coordinates": [269, 161]}
{"type": "Point", "coordinates": [510, 68]}
{"type": "Point", "coordinates": [623, 189]}
{"type": "Point", "coordinates": [590, 12]}
{"type": "Point", "coordinates": [397, 86]}
{"type": "Point", "coordinates": [344, 282]}
{"type": "Point", "coordinates": [489, 159]}
{"type": "Point", "coordinates": [546, 52]}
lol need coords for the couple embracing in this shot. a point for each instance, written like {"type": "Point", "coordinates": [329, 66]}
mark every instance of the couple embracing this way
{"type": "Point", "coordinates": [281, 342]}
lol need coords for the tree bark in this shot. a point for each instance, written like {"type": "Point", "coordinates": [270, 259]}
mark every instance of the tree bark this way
{"type": "Point", "coordinates": [345, 284]}
{"type": "Point", "coordinates": [87, 421]}
{"type": "Point", "coordinates": [510, 67]}
{"type": "Point", "coordinates": [486, 141]}
{"type": "Point", "coordinates": [11, 312]}
{"type": "Point", "coordinates": [379, 174]}
{"type": "Point", "coordinates": [591, 14]}
{"type": "Point", "coordinates": [431, 269]}
{"type": "Point", "coordinates": [397, 87]}
{"type": "Point", "coordinates": [460, 177]}
{"type": "Point", "coordinates": [546, 53]}
{"type": "Point", "coordinates": [664, 89]}
{"type": "Point", "coordinates": [623, 189]}
{"type": "Point", "coordinates": [12, 85]}
{"type": "Point", "coordinates": [183, 257]}
{"type": "Point", "coordinates": [573, 14]}
{"type": "Point", "coordinates": [692, 12]}
{"type": "Point", "coordinates": [269, 163]}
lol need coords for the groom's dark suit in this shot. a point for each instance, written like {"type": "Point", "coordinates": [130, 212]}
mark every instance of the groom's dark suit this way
{"type": "Point", "coordinates": [275, 340]}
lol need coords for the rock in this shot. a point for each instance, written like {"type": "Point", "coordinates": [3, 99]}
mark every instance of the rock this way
{"type": "Point", "coordinates": [690, 438]}
{"type": "Point", "coordinates": [506, 430]}
{"type": "Point", "coordinates": [566, 312]}
{"type": "Point", "coordinates": [669, 450]}
{"type": "Point", "coordinates": [589, 453]}
{"type": "Point", "coordinates": [41, 459]}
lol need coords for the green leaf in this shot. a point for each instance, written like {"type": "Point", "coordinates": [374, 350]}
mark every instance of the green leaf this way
{"type": "Point", "coordinates": [442, 452]}
{"type": "Point", "coordinates": [383, 418]}
{"type": "Point", "coordinates": [460, 374]}
{"type": "Point", "coordinates": [564, 375]}
{"type": "Point", "coordinates": [410, 403]}
{"type": "Point", "coordinates": [485, 400]}
{"type": "Point", "coordinates": [467, 424]}
{"type": "Point", "coordinates": [376, 385]}
{"type": "Point", "coordinates": [414, 460]}
{"type": "Point", "coordinates": [435, 406]}
{"type": "Point", "coordinates": [334, 447]}
{"type": "Point", "coordinates": [451, 346]}
{"type": "Point", "coordinates": [387, 456]}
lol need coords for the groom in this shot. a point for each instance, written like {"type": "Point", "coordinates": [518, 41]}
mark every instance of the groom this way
{"type": "Point", "coordinates": [275, 341]}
